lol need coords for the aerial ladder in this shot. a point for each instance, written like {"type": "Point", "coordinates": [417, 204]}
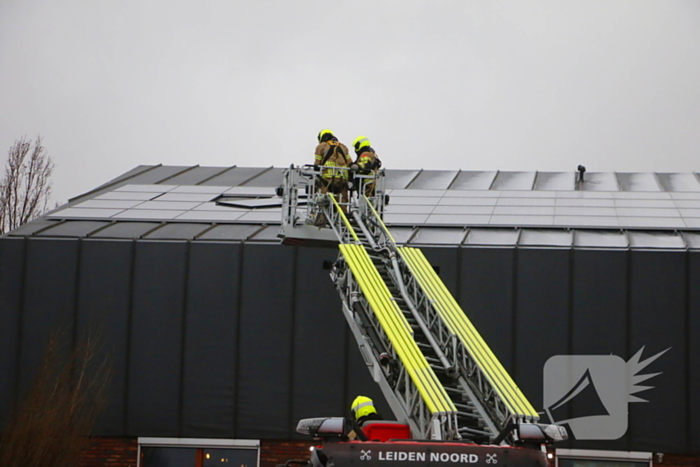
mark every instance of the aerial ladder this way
{"type": "Point", "coordinates": [435, 370]}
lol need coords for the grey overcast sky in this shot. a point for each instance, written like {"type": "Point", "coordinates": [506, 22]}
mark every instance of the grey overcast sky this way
{"type": "Point", "coordinates": [500, 85]}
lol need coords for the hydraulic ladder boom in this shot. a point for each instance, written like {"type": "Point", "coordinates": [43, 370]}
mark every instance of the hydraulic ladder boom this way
{"type": "Point", "coordinates": [435, 370]}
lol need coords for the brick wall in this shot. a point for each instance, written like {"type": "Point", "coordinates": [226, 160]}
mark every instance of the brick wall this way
{"type": "Point", "coordinates": [114, 452]}
{"type": "Point", "coordinates": [274, 452]}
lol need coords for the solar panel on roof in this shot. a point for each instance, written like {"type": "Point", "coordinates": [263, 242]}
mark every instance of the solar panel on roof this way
{"type": "Point", "coordinates": [235, 176]}
{"type": "Point", "coordinates": [586, 221]}
{"type": "Point", "coordinates": [108, 203]}
{"type": "Point", "coordinates": [401, 234]}
{"type": "Point", "coordinates": [212, 216]}
{"type": "Point", "coordinates": [458, 219]}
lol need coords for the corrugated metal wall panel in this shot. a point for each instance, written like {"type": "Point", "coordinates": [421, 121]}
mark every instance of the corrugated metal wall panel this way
{"type": "Point", "coordinates": [658, 322]}
{"type": "Point", "coordinates": [487, 296]}
{"type": "Point", "coordinates": [319, 376]}
{"type": "Point", "coordinates": [211, 340]}
{"type": "Point", "coordinates": [155, 354]}
{"type": "Point", "coordinates": [103, 311]}
{"type": "Point", "coordinates": [542, 308]}
{"type": "Point", "coordinates": [11, 284]}
{"type": "Point", "coordinates": [49, 300]}
{"type": "Point", "coordinates": [266, 343]}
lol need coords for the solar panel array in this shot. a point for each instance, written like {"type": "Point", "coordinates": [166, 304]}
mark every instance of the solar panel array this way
{"type": "Point", "coordinates": [433, 207]}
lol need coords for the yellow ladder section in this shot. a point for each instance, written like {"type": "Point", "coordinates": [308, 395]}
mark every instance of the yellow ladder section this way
{"type": "Point", "coordinates": [458, 323]}
{"type": "Point", "coordinates": [397, 329]}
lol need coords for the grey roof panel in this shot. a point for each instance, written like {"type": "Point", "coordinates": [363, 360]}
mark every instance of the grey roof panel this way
{"type": "Point", "coordinates": [548, 181]}
{"type": "Point", "coordinates": [439, 236]}
{"type": "Point", "coordinates": [599, 181]}
{"type": "Point", "coordinates": [600, 239]}
{"type": "Point", "coordinates": [638, 182]}
{"type": "Point", "coordinates": [235, 176]}
{"type": "Point", "coordinates": [401, 234]}
{"type": "Point", "coordinates": [585, 202]}
{"type": "Point", "coordinates": [687, 203]}
{"type": "Point", "coordinates": [271, 178]}
{"type": "Point", "coordinates": [32, 227]}
{"type": "Point", "coordinates": [692, 239]}
{"type": "Point", "coordinates": [467, 180]}
{"type": "Point", "coordinates": [514, 181]}
{"type": "Point", "coordinates": [230, 232]}
{"type": "Point", "coordinates": [417, 193]}
{"type": "Point", "coordinates": [126, 230]}
{"type": "Point", "coordinates": [433, 180]}
{"type": "Point", "coordinates": [663, 240]}
{"type": "Point", "coordinates": [158, 174]}
{"type": "Point", "coordinates": [678, 181]}
{"type": "Point", "coordinates": [399, 178]}
{"type": "Point", "coordinates": [178, 231]}
{"type": "Point", "coordinates": [271, 215]}
{"type": "Point", "coordinates": [499, 237]}
{"type": "Point", "coordinates": [647, 212]}
{"type": "Point", "coordinates": [195, 175]}
{"type": "Point", "coordinates": [73, 229]}
{"type": "Point", "coordinates": [201, 189]}
{"type": "Point", "coordinates": [541, 237]}
{"type": "Point", "coordinates": [425, 201]}
{"type": "Point", "coordinates": [268, 234]}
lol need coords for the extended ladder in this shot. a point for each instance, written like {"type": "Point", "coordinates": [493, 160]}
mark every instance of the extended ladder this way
{"type": "Point", "coordinates": [435, 370]}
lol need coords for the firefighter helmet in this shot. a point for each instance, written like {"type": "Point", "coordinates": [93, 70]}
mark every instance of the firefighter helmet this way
{"type": "Point", "coordinates": [360, 142]}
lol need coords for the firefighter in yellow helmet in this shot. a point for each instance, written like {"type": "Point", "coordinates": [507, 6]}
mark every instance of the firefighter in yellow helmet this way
{"type": "Point", "coordinates": [363, 410]}
{"type": "Point", "coordinates": [331, 153]}
{"type": "Point", "coordinates": [367, 163]}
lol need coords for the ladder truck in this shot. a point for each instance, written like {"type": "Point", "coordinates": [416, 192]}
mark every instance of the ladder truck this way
{"type": "Point", "coordinates": [453, 401]}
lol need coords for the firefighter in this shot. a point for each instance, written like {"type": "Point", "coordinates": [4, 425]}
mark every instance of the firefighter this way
{"type": "Point", "coordinates": [332, 153]}
{"type": "Point", "coordinates": [363, 410]}
{"type": "Point", "coordinates": [366, 163]}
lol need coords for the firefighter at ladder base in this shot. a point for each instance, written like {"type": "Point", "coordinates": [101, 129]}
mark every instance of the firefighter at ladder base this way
{"type": "Point", "coordinates": [331, 153]}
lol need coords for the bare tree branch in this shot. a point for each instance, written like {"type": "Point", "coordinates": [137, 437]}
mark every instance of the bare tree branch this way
{"type": "Point", "coordinates": [25, 188]}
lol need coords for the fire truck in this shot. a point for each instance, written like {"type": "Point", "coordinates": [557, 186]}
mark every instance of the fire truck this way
{"type": "Point", "coordinates": [452, 400]}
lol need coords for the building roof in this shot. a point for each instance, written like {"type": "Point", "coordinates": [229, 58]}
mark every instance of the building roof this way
{"type": "Point", "coordinates": [429, 207]}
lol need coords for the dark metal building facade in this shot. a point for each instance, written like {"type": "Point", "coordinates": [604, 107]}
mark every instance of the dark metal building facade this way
{"type": "Point", "coordinates": [215, 330]}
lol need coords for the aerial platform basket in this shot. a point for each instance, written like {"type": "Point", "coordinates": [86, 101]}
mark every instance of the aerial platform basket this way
{"type": "Point", "coordinates": [302, 204]}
